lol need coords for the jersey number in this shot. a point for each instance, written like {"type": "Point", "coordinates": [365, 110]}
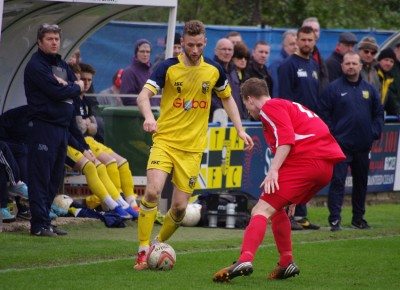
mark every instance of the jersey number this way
{"type": "Point", "coordinates": [309, 113]}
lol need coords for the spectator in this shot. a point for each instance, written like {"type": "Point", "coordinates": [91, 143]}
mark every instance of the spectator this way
{"type": "Point", "coordinates": [113, 90]}
{"type": "Point", "coordinates": [135, 75]}
{"type": "Point", "coordinates": [316, 55]}
{"type": "Point", "coordinates": [300, 168]}
{"type": "Point", "coordinates": [289, 46]}
{"type": "Point", "coordinates": [240, 59]}
{"type": "Point", "coordinates": [180, 131]}
{"type": "Point", "coordinates": [51, 111]}
{"type": "Point", "coordinates": [367, 49]}
{"type": "Point", "coordinates": [346, 43]}
{"type": "Point", "coordinates": [386, 59]}
{"type": "Point", "coordinates": [352, 109]}
{"type": "Point", "coordinates": [75, 57]}
{"type": "Point", "coordinates": [299, 81]}
{"type": "Point", "coordinates": [223, 55]}
{"type": "Point", "coordinates": [235, 37]}
{"type": "Point", "coordinates": [257, 64]}
{"type": "Point", "coordinates": [177, 49]}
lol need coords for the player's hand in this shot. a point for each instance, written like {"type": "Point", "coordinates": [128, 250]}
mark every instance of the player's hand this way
{"type": "Point", "coordinates": [150, 125]}
{"type": "Point", "coordinates": [247, 140]}
{"type": "Point", "coordinates": [80, 84]}
{"type": "Point", "coordinates": [291, 210]}
{"type": "Point", "coordinates": [270, 183]}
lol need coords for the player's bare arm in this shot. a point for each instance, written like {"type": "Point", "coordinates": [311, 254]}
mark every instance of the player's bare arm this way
{"type": "Point", "coordinates": [143, 101]}
{"type": "Point", "coordinates": [270, 182]}
{"type": "Point", "coordinates": [233, 113]}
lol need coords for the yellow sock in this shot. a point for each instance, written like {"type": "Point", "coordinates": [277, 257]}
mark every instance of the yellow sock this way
{"type": "Point", "coordinates": [147, 216]}
{"type": "Point", "coordinates": [92, 201]}
{"type": "Point", "coordinates": [113, 173]}
{"type": "Point", "coordinates": [108, 184]}
{"type": "Point", "coordinates": [126, 179]}
{"type": "Point", "coordinates": [170, 225]}
{"type": "Point", "coordinates": [93, 181]}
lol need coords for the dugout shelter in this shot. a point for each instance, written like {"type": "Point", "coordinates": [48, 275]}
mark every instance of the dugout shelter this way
{"type": "Point", "coordinates": [20, 19]}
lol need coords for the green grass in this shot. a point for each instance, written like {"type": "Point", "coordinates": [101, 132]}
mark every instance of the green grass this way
{"type": "Point", "coordinates": [93, 256]}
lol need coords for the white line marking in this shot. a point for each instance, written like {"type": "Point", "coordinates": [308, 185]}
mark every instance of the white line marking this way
{"type": "Point", "coordinates": [184, 253]}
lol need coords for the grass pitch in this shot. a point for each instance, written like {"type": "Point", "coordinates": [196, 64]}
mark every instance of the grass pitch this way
{"type": "Point", "coordinates": [93, 256]}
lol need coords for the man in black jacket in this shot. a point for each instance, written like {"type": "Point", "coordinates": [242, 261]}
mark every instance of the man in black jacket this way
{"type": "Point", "coordinates": [351, 108]}
{"type": "Point", "coordinates": [50, 114]}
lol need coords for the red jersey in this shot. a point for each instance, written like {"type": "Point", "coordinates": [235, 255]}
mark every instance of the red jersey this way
{"type": "Point", "coordinates": [289, 123]}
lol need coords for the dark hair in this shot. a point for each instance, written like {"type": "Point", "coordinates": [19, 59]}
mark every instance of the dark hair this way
{"type": "Point", "coordinates": [254, 87]}
{"type": "Point", "coordinates": [45, 28]}
{"type": "Point", "coordinates": [233, 33]}
{"type": "Point", "coordinates": [306, 30]}
{"type": "Point", "coordinates": [87, 68]}
{"type": "Point", "coordinates": [240, 50]}
{"type": "Point", "coordinates": [193, 28]}
{"type": "Point", "coordinates": [261, 42]}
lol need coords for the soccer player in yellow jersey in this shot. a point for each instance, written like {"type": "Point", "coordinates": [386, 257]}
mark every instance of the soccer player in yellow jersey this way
{"type": "Point", "coordinates": [179, 135]}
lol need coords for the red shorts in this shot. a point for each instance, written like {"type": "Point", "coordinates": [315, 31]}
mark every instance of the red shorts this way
{"type": "Point", "coordinates": [299, 180]}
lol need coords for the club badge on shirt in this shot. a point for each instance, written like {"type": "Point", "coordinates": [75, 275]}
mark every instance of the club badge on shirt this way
{"type": "Point", "coordinates": [365, 95]}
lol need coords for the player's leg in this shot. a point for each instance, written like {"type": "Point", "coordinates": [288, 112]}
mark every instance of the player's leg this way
{"type": "Point", "coordinates": [126, 179]}
{"type": "Point", "coordinates": [186, 171]}
{"type": "Point", "coordinates": [147, 215]}
{"type": "Point", "coordinates": [252, 239]}
{"type": "Point", "coordinates": [359, 170]}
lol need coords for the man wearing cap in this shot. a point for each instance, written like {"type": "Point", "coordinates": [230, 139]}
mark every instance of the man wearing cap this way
{"type": "Point", "coordinates": [367, 49]}
{"type": "Point", "coordinates": [346, 43]}
{"type": "Point", "coordinates": [137, 73]}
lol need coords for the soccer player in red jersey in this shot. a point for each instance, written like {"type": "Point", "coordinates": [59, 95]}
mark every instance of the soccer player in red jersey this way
{"type": "Point", "coordinates": [305, 154]}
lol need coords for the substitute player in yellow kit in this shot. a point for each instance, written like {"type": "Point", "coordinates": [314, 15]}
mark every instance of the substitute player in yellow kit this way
{"type": "Point", "coordinates": [179, 137]}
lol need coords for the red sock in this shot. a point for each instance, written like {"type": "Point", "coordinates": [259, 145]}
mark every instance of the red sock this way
{"type": "Point", "coordinates": [253, 237]}
{"type": "Point", "coordinates": [282, 235]}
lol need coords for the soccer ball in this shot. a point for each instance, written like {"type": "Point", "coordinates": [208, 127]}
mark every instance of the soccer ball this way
{"type": "Point", "coordinates": [63, 201]}
{"type": "Point", "coordinates": [161, 257]}
{"type": "Point", "coordinates": [192, 216]}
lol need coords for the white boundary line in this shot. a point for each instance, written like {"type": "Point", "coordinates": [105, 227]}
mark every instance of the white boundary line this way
{"type": "Point", "coordinates": [186, 253]}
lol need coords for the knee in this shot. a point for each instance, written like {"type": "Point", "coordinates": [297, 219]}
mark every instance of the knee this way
{"type": "Point", "coordinates": [178, 210]}
{"type": "Point", "coordinates": [152, 194]}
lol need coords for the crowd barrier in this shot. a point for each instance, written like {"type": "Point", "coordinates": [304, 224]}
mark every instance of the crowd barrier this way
{"type": "Point", "coordinates": [226, 166]}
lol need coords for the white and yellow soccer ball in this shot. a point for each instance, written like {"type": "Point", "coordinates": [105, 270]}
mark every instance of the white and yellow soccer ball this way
{"type": "Point", "coordinates": [161, 256]}
{"type": "Point", "coordinates": [192, 216]}
{"type": "Point", "coordinates": [63, 201]}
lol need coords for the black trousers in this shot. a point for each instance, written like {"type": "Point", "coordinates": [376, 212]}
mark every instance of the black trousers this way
{"type": "Point", "coordinates": [9, 171]}
{"type": "Point", "coordinates": [359, 165]}
{"type": "Point", "coordinates": [46, 156]}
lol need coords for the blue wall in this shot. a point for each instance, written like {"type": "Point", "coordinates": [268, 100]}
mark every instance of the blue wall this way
{"type": "Point", "coordinates": [111, 47]}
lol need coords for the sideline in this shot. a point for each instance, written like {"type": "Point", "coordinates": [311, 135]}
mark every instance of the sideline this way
{"type": "Point", "coordinates": [186, 253]}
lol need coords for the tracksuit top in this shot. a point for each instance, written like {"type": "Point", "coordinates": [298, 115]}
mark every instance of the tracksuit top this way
{"type": "Point", "coordinates": [48, 100]}
{"type": "Point", "coordinates": [353, 112]}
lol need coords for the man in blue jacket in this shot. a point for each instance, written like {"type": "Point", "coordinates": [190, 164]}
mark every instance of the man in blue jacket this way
{"type": "Point", "coordinates": [50, 113]}
{"type": "Point", "coordinates": [352, 109]}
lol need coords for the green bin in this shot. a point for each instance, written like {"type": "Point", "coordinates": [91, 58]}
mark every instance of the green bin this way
{"type": "Point", "coordinates": [123, 132]}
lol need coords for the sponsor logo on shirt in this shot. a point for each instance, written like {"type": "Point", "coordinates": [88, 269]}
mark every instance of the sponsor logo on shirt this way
{"type": "Point", "coordinates": [190, 104]}
{"type": "Point", "coordinates": [301, 73]}
{"type": "Point", "coordinates": [178, 86]}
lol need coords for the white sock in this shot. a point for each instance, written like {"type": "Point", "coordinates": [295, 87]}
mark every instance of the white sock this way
{"type": "Point", "coordinates": [122, 202]}
{"type": "Point", "coordinates": [131, 200]}
{"type": "Point", "coordinates": [110, 203]}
